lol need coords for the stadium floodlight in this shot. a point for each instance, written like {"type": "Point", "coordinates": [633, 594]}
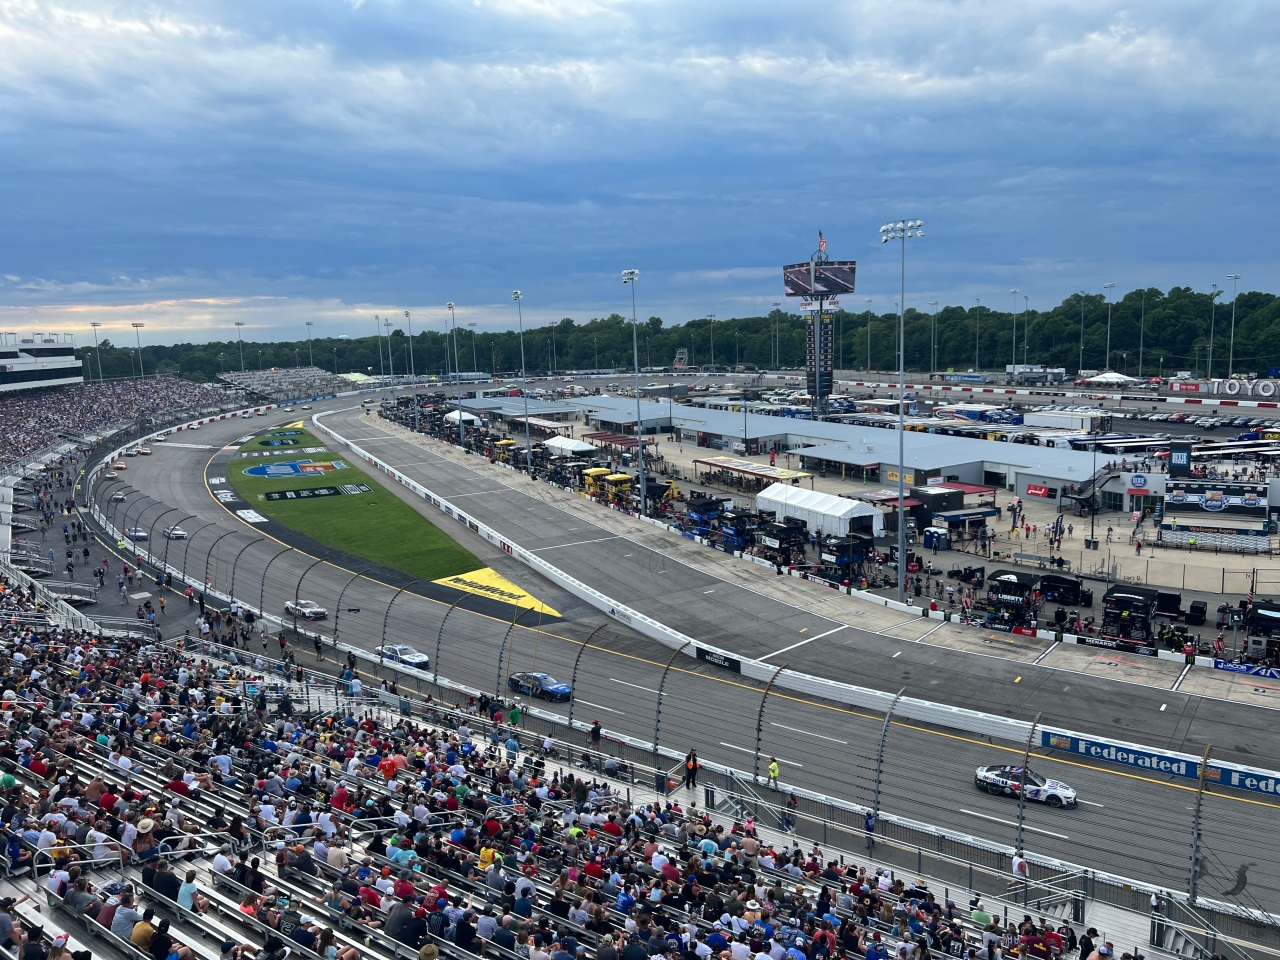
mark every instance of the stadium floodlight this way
{"type": "Point", "coordinates": [901, 231]}
{"type": "Point", "coordinates": [524, 386]}
{"type": "Point", "coordinates": [629, 277]}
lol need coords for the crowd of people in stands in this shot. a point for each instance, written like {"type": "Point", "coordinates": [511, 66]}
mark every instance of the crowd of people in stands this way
{"type": "Point", "coordinates": [431, 831]}
{"type": "Point", "coordinates": [34, 420]}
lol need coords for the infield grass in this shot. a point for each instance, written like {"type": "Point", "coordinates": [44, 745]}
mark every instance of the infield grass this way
{"type": "Point", "coordinates": [376, 526]}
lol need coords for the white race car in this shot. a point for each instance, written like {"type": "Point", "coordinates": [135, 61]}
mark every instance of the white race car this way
{"type": "Point", "coordinates": [1005, 781]}
{"type": "Point", "coordinates": [305, 609]}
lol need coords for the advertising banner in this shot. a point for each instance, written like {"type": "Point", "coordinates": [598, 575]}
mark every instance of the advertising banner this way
{"type": "Point", "coordinates": [1170, 764]}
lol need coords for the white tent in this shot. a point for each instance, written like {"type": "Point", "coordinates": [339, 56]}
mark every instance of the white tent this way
{"type": "Point", "coordinates": [453, 416]}
{"type": "Point", "coordinates": [567, 446]}
{"type": "Point", "coordinates": [1111, 377]}
{"type": "Point", "coordinates": [821, 511]}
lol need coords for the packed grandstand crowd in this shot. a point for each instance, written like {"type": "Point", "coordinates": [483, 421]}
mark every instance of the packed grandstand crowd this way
{"type": "Point", "coordinates": [185, 807]}
{"type": "Point", "coordinates": [34, 420]}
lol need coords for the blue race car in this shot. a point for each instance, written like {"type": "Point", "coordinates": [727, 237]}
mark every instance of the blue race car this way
{"type": "Point", "coordinates": [539, 685]}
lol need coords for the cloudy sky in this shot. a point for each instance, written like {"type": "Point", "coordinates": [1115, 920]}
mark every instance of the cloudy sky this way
{"type": "Point", "coordinates": [193, 164]}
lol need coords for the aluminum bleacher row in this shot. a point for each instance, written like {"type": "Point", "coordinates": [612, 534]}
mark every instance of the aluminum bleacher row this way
{"type": "Point", "coordinates": [572, 861]}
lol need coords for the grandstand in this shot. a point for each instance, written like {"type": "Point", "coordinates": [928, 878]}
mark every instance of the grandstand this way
{"type": "Point", "coordinates": [285, 383]}
{"type": "Point", "coordinates": [38, 360]}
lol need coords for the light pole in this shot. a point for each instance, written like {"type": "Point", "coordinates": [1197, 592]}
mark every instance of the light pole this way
{"type": "Point", "coordinates": [933, 339]}
{"type": "Point", "coordinates": [1080, 365]}
{"type": "Point", "coordinates": [138, 336]}
{"type": "Point", "coordinates": [475, 365]}
{"type": "Point", "coordinates": [457, 375]}
{"type": "Point", "coordinates": [413, 371]}
{"type": "Point", "coordinates": [629, 277]}
{"type": "Point", "coordinates": [1142, 331]}
{"type": "Point", "coordinates": [1108, 287]}
{"type": "Point", "coordinates": [1213, 315]}
{"type": "Point", "coordinates": [240, 339]}
{"type": "Point", "coordinates": [867, 301]}
{"type": "Point", "coordinates": [391, 361]}
{"type": "Point", "coordinates": [977, 331]}
{"type": "Point", "coordinates": [311, 360]}
{"type": "Point", "coordinates": [1013, 315]}
{"type": "Point", "coordinates": [777, 310]}
{"type": "Point", "coordinates": [377, 337]}
{"type": "Point", "coordinates": [95, 324]}
{"type": "Point", "coordinates": [712, 318]}
{"type": "Point", "coordinates": [335, 361]}
{"type": "Point", "coordinates": [1231, 357]}
{"type": "Point", "coordinates": [1026, 306]}
{"type": "Point", "coordinates": [524, 384]}
{"type": "Point", "coordinates": [901, 230]}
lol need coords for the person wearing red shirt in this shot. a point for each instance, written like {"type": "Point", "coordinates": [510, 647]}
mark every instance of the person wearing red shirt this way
{"type": "Point", "coordinates": [611, 826]}
{"type": "Point", "coordinates": [403, 888]}
{"type": "Point", "coordinates": [107, 802]}
{"type": "Point", "coordinates": [38, 766]}
{"type": "Point", "coordinates": [593, 869]}
{"type": "Point", "coordinates": [387, 767]}
{"type": "Point", "coordinates": [339, 799]}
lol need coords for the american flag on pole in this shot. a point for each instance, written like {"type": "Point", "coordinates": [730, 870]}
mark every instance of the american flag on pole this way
{"type": "Point", "coordinates": [822, 243]}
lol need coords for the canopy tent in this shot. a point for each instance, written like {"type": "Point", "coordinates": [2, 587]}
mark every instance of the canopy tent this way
{"type": "Point", "coordinates": [566, 446]}
{"type": "Point", "coordinates": [1111, 377]}
{"type": "Point", "coordinates": [454, 416]}
{"type": "Point", "coordinates": [821, 511]}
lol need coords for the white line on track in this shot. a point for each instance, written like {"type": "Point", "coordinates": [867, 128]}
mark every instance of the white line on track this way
{"type": "Point", "coordinates": [559, 546]}
{"type": "Point", "coordinates": [804, 641]}
{"type": "Point", "coordinates": [1089, 803]}
{"type": "Point", "coordinates": [598, 706]}
{"type": "Point", "coordinates": [1182, 676]}
{"type": "Point", "coordinates": [478, 493]}
{"type": "Point", "coordinates": [636, 685]}
{"type": "Point", "coordinates": [731, 746]}
{"type": "Point", "coordinates": [1047, 833]}
{"type": "Point", "coordinates": [1048, 650]}
{"type": "Point", "coordinates": [807, 733]}
{"type": "Point", "coordinates": [932, 632]}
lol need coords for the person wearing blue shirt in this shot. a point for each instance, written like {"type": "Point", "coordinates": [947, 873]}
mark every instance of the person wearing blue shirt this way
{"type": "Point", "coordinates": [716, 940]}
{"type": "Point", "coordinates": [796, 950]}
{"type": "Point", "coordinates": [875, 948]}
{"type": "Point", "coordinates": [624, 902]}
{"type": "Point", "coordinates": [457, 835]}
{"type": "Point", "coordinates": [292, 783]}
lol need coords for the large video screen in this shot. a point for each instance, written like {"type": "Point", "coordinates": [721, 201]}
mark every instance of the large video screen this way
{"type": "Point", "coordinates": [830, 279]}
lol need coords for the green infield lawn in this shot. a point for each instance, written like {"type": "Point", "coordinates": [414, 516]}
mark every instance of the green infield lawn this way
{"type": "Point", "coordinates": [375, 526]}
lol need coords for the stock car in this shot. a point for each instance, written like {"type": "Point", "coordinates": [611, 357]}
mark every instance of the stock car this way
{"type": "Point", "coordinates": [541, 685]}
{"type": "Point", "coordinates": [1004, 781]}
{"type": "Point", "coordinates": [137, 534]}
{"type": "Point", "coordinates": [175, 533]}
{"type": "Point", "coordinates": [305, 610]}
{"type": "Point", "coordinates": [405, 654]}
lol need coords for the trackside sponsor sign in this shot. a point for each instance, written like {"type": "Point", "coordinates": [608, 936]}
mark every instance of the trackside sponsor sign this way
{"type": "Point", "coordinates": [1171, 764]}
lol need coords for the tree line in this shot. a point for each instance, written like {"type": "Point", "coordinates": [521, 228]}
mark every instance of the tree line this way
{"type": "Point", "coordinates": [1166, 332]}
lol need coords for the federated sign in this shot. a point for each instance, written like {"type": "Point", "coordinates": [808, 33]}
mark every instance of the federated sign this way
{"type": "Point", "coordinates": [1174, 765]}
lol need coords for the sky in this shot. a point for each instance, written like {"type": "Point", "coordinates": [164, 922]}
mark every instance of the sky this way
{"type": "Point", "coordinates": [191, 165]}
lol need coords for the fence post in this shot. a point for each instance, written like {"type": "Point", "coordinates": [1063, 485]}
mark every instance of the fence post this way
{"type": "Point", "coordinates": [236, 562]}
{"type": "Point", "coordinates": [1022, 808]}
{"type": "Point", "coordinates": [297, 595]}
{"type": "Point", "coordinates": [502, 653]}
{"type": "Point", "coordinates": [337, 610]}
{"type": "Point", "coordinates": [262, 593]}
{"type": "Point", "coordinates": [1193, 886]}
{"type": "Point", "coordinates": [755, 769]}
{"type": "Point", "coordinates": [386, 616]}
{"type": "Point", "coordinates": [573, 677]}
{"type": "Point", "coordinates": [151, 534]}
{"type": "Point", "coordinates": [869, 821]}
{"type": "Point", "coordinates": [209, 556]}
{"type": "Point", "coordinates": [167, 541]}
{"type": "Point", "coordinates": [439, 634]}
{"type": "Point", "coordinates": [657, 719]}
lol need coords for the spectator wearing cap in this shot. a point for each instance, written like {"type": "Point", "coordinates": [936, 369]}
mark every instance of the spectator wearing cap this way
{"type": "Point", "coordinates": [875, 948]}
{"type": "Point", "coordinates": [301, 860]}
{"type": "Point", "coordinates": [307, 932]}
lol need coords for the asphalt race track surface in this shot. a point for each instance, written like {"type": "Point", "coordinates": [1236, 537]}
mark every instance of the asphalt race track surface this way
{"type": "Point", "coordinates": [1130, 823]}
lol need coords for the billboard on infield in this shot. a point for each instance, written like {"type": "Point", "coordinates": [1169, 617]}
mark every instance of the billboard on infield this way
{"type": "Point", "coordinates": [829, 279]}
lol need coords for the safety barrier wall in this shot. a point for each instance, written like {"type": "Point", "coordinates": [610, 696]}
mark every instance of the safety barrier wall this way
{"type": "Point", "coordinates": [1251, 779]}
